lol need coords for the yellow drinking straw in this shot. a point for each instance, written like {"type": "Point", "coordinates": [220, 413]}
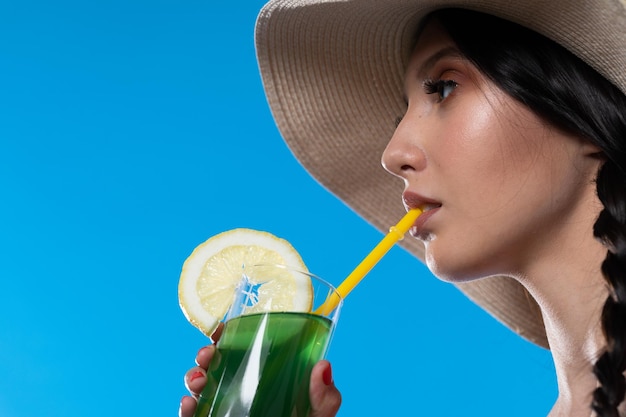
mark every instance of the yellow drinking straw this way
{"type": "Point", "coordinates": [395, 234]}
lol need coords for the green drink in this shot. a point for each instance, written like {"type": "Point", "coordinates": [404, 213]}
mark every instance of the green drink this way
{"type": "Point", "coordinates": [263, 364]}
{"type": "Point", "coordinates": [277, 328]}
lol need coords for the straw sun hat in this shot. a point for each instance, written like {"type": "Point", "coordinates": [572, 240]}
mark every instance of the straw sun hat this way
{"type": "Point", "coordinates": [333, 74]}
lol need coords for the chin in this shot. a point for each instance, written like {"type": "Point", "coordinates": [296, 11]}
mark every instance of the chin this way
{"type": "Point", "coordinates": [455, 269]}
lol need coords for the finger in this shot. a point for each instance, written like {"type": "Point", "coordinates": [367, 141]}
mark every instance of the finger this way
{"type": "Point", "coordinates": [195, 380]}
{"type": "Point", "coordinates": [217, 333]}
{"type": "Point", "coordinates": [187, 406]}
{"type": "Point", "coordinates": [325, 398]}
{"type": "Point", "coordinates": [204, 356]}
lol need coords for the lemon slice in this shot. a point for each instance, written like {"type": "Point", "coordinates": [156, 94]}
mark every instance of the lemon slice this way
{"type": "Point", "coordinates": [213, 270]}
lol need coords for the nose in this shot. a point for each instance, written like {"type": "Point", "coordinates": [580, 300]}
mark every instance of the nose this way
{"type": "Point", "coordinates": [403, 156]}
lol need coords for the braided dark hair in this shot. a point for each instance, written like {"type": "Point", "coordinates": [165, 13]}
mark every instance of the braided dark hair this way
{"type": "Point", "coordinates": [566, 92]}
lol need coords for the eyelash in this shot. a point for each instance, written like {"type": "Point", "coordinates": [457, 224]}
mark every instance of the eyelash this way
{"type": "Point", "coordinates": [438, 86]}
{"type": "Point", "coordinates": [432, 87]}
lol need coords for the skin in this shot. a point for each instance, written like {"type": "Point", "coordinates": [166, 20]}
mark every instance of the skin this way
{"type": "Point", "coordinates": [509, 183]}
{"type": "Point", "coordinates": [517, 198]}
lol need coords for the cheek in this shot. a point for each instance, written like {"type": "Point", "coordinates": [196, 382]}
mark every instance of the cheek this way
{"type": "Point", "coordinates": [478, 154]}
{"type": "Point", "coordinates": [498, 151]}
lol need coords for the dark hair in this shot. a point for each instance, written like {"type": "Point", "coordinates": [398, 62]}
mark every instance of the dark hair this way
{"type": "Point", "coordinates": [569, 94]}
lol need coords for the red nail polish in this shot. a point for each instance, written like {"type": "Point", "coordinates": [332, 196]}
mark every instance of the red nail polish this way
{"type": "Point", "coordinates": [195, 375]}
{"type": "Point", "coordinates": [327, 376]}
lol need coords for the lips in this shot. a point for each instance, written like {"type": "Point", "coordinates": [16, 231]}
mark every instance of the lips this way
{"type": "Point", "coordinates": [427, 205]}
{"type": "Point", "coordinates": [413, 200]}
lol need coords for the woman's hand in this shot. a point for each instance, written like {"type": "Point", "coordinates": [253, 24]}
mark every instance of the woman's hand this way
{"type": "Point", "coordinates": [195, 379]}
{"type": "Point", "coordinates": [325, 398]}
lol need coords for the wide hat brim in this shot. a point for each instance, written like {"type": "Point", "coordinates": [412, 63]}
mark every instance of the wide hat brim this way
{"type": "Point", "coordinates": [333, 75]}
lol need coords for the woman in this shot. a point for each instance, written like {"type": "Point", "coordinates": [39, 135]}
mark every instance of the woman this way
{"type": "Point", "coordinates": [514, 143]}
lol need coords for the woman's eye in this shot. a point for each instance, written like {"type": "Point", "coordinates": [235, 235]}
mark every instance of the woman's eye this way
{"type": "Point", "coordinates": [442, 88]}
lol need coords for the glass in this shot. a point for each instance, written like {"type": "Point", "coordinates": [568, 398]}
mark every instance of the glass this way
{"type": "Point", "coordinates": [263, 361]}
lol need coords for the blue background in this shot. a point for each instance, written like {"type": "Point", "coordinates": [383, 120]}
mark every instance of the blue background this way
{"type": "Point", "coordinates": [132, 131]}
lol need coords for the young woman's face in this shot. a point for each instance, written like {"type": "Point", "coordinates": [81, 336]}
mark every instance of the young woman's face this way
{"type": "Point", "coordinates": [504, 186]}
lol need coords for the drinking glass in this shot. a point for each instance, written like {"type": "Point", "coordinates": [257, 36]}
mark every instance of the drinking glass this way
{"type": "Point", "coordinates": [263, 361]}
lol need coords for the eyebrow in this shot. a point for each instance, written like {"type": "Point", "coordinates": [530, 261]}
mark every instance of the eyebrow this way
{"type": "Point", "coordinates": [429, 63]}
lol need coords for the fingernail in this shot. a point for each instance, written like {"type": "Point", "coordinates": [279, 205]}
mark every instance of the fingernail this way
{"type": "Point", "coordinates": [195, 375]}
{"type": "Point", "coordinates": [327, 376]}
